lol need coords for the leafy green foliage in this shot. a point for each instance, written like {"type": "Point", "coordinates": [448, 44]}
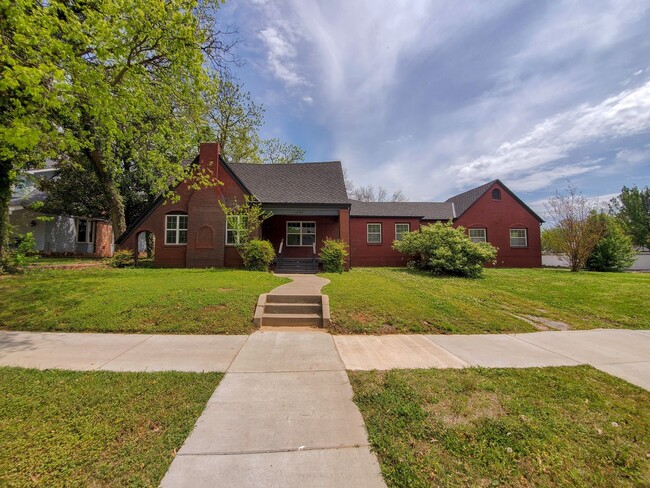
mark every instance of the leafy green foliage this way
{"type": "Point", "coordinates": [446, 250]}
{"type": "Point", "coordinates": [99, 428]}
{"type": "Point", "coordinates": [121, 259]}
{"type": "Point", "coordinates": [632, 207]}
{"type": "Point", "coordinates": [155, 301]}
{"type": "Point", "coordinates": [20, 254]}
{"type": "Point", "coordinates": [274, 151]}
{"type": "Point", "coordinates": [333, 254]}
{"type": "Point", "coordinates": [613, 252]}
{"type": "Point", "coordinates": [257, 254]}
{"type": "Point", "coordinates": [569, 426]}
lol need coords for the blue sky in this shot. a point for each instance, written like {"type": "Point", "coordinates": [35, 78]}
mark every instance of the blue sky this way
{"type": "Point", "coordinates": [435, 97]}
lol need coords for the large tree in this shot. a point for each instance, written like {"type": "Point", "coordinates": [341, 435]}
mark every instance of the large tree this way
{"type": "Point", "coordinates": [575, 233]}
{"type": "Point", "coordinates": [32, 85]}
{"type": "Point", "coordinates": [632, 207]}
{"type": "Point", "coordinates": [235, 119]}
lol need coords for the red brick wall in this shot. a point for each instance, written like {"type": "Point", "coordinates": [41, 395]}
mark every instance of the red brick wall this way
{"type": "Point", "coordinates": [364, 254]}
{"type": "Point", "coordinates": [103, 239]}
{"type": "Point", "coordinates": [498, 217]}
{"type": "Point", "coordinates": [206, 223]}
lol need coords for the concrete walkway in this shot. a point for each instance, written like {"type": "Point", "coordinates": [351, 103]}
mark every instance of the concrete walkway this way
{"type": "Point", "coordinates": [302, 284]}
{"type": "Point", "coordinates": [622, 353]}
{"type": "Point", "coordinates": [282, 416]}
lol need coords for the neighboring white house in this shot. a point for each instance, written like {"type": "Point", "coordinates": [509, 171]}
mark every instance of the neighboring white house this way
{"type": "Point", "coordinates": [59, 234]}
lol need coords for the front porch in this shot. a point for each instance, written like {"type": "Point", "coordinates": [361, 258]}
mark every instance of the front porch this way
{"type": "Point", "coordinates": [298, 233]}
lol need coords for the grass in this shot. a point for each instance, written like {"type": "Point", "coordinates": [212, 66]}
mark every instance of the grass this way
{"type": "Point", "coordinates": [63, 428]}
{"type": "Point", "coordinates": [65, 261]}
{"type": "Point", "coordinates": [505, 427]}
{"type": "Point", "coordinates": [177, 301]}
{"type": "Point", "coordinates": [388, 300]}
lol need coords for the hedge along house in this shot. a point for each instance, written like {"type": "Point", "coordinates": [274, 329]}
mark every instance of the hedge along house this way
{"type": "Point", "coordinates": [309, 204]}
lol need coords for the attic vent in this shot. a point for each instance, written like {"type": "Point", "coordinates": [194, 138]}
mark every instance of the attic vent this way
{"type": "Point", "coordinates": [496, 194]}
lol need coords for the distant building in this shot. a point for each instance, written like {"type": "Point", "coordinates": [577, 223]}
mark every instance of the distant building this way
{"type": "Point", "coordinates": [68, 235]}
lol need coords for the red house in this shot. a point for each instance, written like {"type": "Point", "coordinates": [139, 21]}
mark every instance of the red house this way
{"type": "Point", "coordinates": [309, 203]}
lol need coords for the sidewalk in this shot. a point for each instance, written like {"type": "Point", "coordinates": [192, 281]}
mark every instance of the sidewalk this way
{"type": "Point", "coordinates": [622, 353]}
{"type": "Point", "coordinates": [282, 416]}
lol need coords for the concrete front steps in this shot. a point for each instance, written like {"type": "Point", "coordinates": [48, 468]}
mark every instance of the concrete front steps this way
{"type": "Point", "coordinates": [292, 311]}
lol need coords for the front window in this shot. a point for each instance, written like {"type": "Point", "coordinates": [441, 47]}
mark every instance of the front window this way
{"type": "Point", "coordinates": [176, 229]}
{"type": "Point", "coordinates": [85, 230]}
{"type": "Point", "coordinates": [301, 233]}
{"type": "Point", "coordinates": [478, 235]}
{"type": "Point", "coordinates": [235, 230]}
{"type": "Point", "coordinates": [496, 194]}
{"type": "Point", "coordinates": [400, 229]}
{"type": "Point", "coordinates": [518, 238]}
{"type": "Point", "coordinates": [373, 233]}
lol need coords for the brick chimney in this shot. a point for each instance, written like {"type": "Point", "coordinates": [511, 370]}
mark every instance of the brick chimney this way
{"type": "Point", "coordinates": [209, 157]}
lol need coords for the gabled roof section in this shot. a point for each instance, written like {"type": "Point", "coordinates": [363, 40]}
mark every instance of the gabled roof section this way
{"type": "Point", "coordinates": [465, 200]}
{"type": "Point", "coordinates": [421, 210]}
{"type": "Point", "coordinates": [296, 183]}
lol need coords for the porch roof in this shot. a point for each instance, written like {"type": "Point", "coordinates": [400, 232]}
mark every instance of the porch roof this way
{"type": "Point", "coordinates": [298, 183]}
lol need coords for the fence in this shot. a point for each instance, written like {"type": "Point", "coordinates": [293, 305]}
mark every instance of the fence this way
{"type": "Point", "coordinates": [641, 263]}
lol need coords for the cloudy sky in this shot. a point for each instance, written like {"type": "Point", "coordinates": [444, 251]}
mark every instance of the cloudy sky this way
{"type": "Point", "coordinates": [435, 97]}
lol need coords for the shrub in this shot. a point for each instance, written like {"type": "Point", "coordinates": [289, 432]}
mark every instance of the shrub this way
{"type": "Point", "coordinates": [257, 254]}
{"type": "Point", "coordinates": [121, 259]}
{"type": "Point", "coordinates": [19, 255]}
{"type": "Point", "coordinates": [333, 254]}
{"type": "Point", "coordinates": [445, 250]}
{"type": "Point", "coordinates": [613, 252]}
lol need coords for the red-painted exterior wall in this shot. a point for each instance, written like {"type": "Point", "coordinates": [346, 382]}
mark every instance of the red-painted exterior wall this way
{"type": "Point", "coordinates": [498, 217]}
{"type": "Point", "coordinates": [275, 229]}
{"type": "Point", "coordinates": [364, 254]}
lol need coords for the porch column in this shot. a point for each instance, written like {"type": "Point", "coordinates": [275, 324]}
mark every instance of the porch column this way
{"type": "Point", "coordinates": [344, 232]}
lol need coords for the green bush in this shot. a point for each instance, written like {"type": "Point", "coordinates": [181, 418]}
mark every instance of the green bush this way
{"type": "Point", "coordinates": [333, 254]}
{"type": "Point", "coordinates": [257, 254]}
{"type": "Point", "coordinates": [121, 259]}
{"type": "Point", "coordinates": [19, 255]}
{"type": "Point", "coordinates": [613, 252]}
{"type": "Point", "coordinates": [446, 250]}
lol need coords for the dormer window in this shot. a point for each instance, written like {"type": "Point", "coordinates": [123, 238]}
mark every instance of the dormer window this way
{"type": "Point", "coordinates": [496, 194]}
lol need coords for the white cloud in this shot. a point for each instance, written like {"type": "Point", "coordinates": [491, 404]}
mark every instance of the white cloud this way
{"type": "Point", "coordinates": [281, 54]}
{"type": "Point", "coordinates": [538, 158]}
{"type": "Point", "coordinates": [308, 99]}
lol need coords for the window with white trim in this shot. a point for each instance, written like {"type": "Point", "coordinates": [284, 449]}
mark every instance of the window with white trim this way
{"type": "Point", "coordinates": [301, 233]}
{"type": "Point", "coordinates": [400, 229]}
{"type": "Point", "coordinates": [235, 229]}
{"type": "Point", "coordinates": [85, 231]}
{"type": "Point", "coordinates": [373, 233]}
{"type": "Point", "coordinates": [477, 235]}
{"type": "Point", "coordinates": [518, 238]}
{"type": "Point", "coordinates": [176, 229]}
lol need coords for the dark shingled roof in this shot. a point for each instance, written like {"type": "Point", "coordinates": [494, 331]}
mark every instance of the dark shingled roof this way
{"type": "Point", "coordinates": [423, 210]}
{"type": "Point", "coordinates": [463, 201]}
{"type": "Point", "coordinates": [297, 183]}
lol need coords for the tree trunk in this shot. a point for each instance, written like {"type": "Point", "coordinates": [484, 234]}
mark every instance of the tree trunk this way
{"type": "Point", "coordinates": [5, 200]}
{"type": "Point", "coordinates": [116, 208]}
{"type": "Point", "coordinates": [149, 239]}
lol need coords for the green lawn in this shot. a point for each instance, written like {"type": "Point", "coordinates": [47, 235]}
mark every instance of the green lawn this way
{"type": "Point", "coordinates": [65, 261]}
{"type": "Point", "coordinates": [506, 427]}
{"type": "Point", "coordinates": [179, 301]}
{"type": "Point", "coordinates": [386, 300]}
{"type": "Point", "coordinates": [63, 428]}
